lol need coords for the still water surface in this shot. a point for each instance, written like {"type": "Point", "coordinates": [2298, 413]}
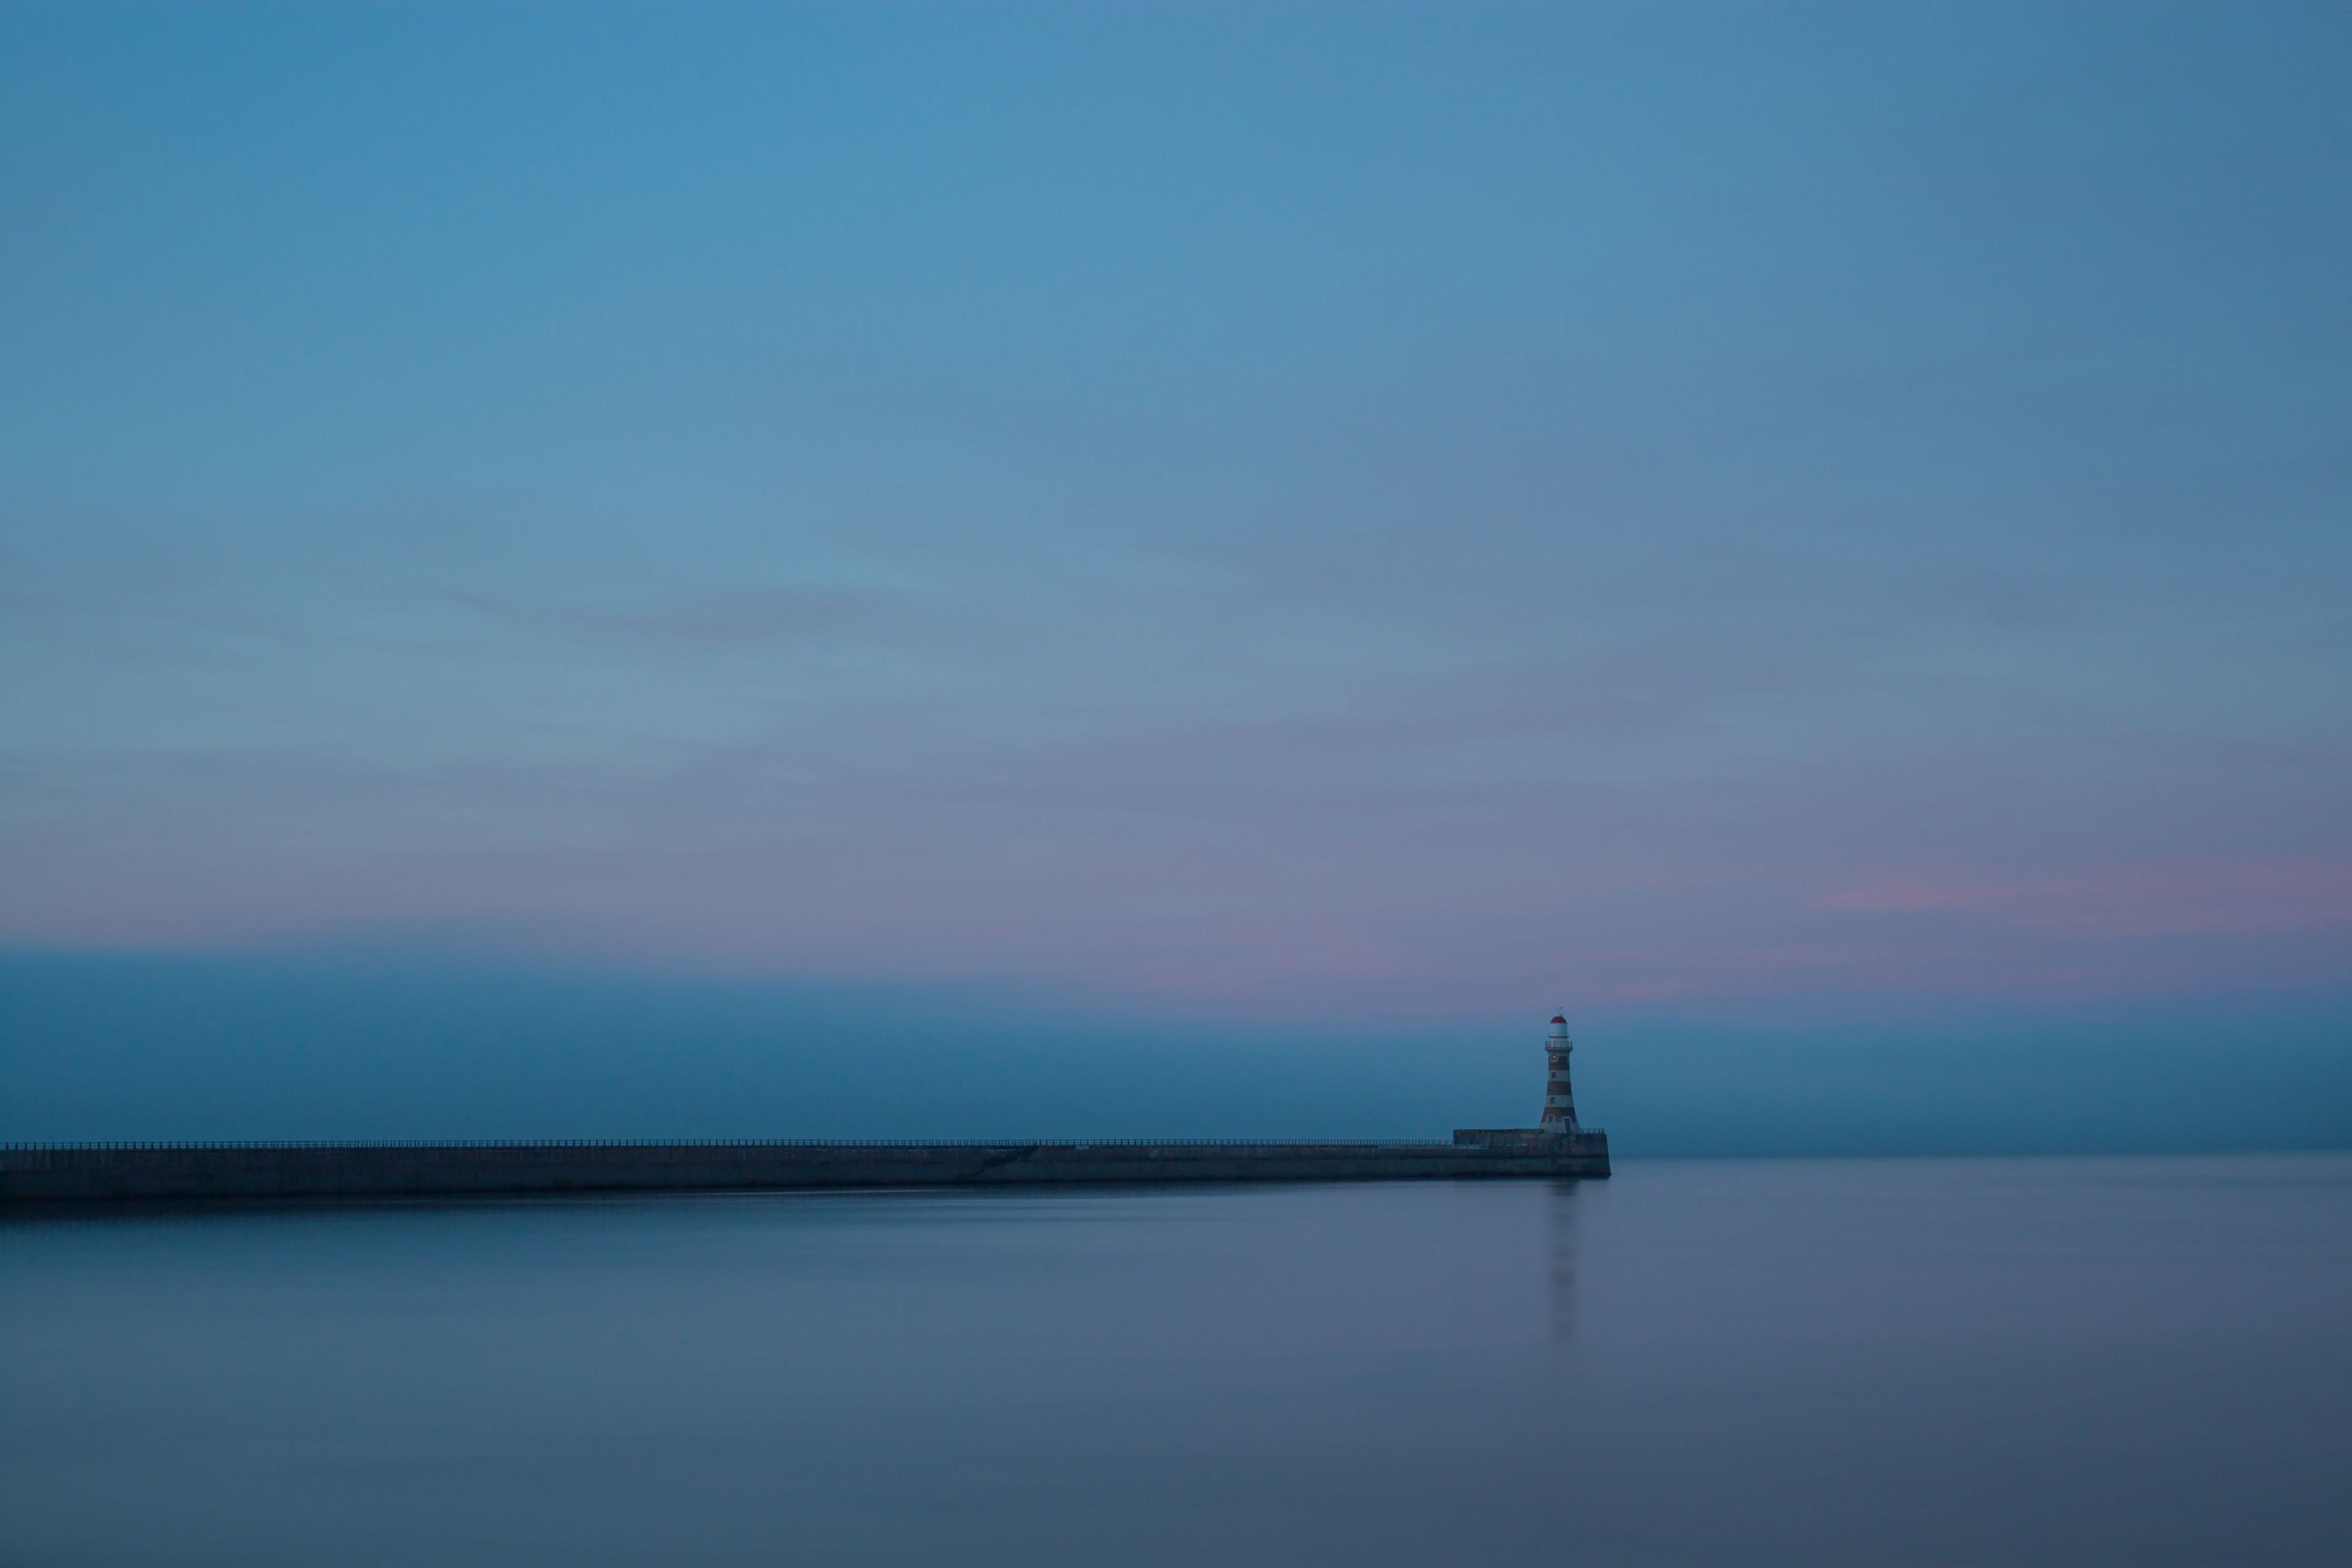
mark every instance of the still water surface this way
{"type": "Point", "coordinates": [1929, 1362]}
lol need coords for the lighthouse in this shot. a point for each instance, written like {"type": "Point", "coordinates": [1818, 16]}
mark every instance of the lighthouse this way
{"type": "Point", "coordinates": [1559, 1142]}
{"type": "Point", "coordinates": [1560, 1101]}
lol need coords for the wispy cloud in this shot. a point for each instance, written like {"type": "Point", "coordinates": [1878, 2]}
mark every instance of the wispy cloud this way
{"type": "Point", "coordinates": [1369, 527]}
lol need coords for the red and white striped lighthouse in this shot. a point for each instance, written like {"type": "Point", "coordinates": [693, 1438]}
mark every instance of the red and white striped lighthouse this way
{"type": "Point", "coordinates": [1560, 1101]}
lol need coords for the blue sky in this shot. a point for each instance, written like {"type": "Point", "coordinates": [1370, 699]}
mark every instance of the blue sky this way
{"type": "Point", "coordinates": [1252, 514]}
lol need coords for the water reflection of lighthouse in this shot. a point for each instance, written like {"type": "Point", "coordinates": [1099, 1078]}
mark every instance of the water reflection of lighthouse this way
{"type": "Point", "coordinates": [1562, 1216]}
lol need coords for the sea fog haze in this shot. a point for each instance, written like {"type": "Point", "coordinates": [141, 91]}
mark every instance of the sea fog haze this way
{"type": "Point", "coordinates": [1836, 1362]}
{"type": "Point", "coordinates": [148, 1047]}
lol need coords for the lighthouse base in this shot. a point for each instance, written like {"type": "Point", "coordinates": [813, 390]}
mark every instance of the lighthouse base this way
{"type": "Point", "coordinates": [1585, 1143]}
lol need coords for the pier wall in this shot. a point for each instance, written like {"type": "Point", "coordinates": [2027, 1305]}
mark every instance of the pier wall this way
{"type": "Point", "coordinates": [69, 1173]}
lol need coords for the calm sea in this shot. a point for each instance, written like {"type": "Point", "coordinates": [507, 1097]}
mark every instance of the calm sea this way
{"type": "Point", "coordinates": [1929, 1362]}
